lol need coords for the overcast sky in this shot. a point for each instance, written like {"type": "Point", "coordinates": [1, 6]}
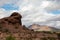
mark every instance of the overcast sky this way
{"type": "Point", "coordinates": [33, 11]}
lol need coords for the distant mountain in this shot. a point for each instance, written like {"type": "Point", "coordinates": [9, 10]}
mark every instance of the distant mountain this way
{"type": "Point", "coordinates": [53, 22]}
{"type": "Point", "coordinates": [37, 27]}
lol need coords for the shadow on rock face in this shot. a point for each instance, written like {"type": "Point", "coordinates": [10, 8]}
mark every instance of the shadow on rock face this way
{"type": "Point", "coordinates": [16, 17]}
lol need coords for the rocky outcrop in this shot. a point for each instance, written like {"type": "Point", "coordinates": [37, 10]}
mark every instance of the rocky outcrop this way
{"type": "Point", "coordinates": [12, 25]}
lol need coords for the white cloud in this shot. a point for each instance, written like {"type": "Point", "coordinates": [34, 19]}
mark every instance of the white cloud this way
{"type": "Point", "coordinates": [35, 13]}
{"type": "Point", "coordinates": [25, 8]}
{"type": "Point", "coordinates": [44, 4]}
{"type": "Point", "coordinates": [4, 13]}
{"type": "Point", "coordinates": [53, 22]}
{"type": "Point", "coordinates": [54, 5]}
{"type": "Point", "coordinates": [2, 2]}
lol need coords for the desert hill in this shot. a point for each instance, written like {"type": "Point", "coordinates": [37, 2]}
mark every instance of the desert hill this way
{"type": "Point", "coordinates": [37, 27]}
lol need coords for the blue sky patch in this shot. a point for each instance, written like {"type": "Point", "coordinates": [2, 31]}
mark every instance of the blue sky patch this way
{"type": "Point", "coordinates": [55, 11]}
{"type": "Point", "coordinates": [10, 7]}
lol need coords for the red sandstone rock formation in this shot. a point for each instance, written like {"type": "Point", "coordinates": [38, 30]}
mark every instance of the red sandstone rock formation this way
{"type": "Point", "coordinates": [13, 25]}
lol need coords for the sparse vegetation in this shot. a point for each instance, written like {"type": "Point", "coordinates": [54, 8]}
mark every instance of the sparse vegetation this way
{"type": "Point", "coordinates": [10, 38]}
{"type": "Point", "coordinates": [0, 27]}
{"type": "Point", "coordinates": [43, 39]}
{"type": "Point", "coordinates": [52, 38]}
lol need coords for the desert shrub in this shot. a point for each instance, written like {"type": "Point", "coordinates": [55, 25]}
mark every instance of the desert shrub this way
{"type": "Point", "coordinates": [52, 38]}
{"type": "Point", "coordinates": [10, 38]}
{"type": "Point", "coordinates": [44, 39]}
{"type": "Point", "coordinates": [58, 34]}
{"type": "Point", "coordinates": [48, 32]}
{"type": "Point", "coordinates": [0, 26]}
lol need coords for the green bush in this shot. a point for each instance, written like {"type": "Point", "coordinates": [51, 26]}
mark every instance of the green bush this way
{"type": "Point", "coordinates": [10, 38]}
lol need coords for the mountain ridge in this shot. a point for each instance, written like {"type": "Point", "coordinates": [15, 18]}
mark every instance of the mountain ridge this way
{"type": "Point", "coordinates": [37, 27]}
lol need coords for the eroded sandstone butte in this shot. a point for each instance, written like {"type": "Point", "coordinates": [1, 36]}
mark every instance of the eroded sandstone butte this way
{"type": "Point", "coordinates": [13, 25]}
